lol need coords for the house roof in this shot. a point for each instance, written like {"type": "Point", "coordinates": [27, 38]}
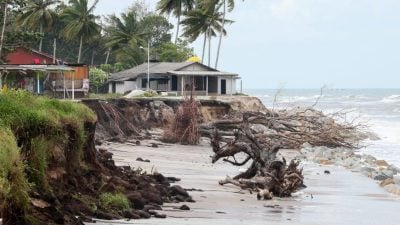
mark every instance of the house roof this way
{"type": "Point", "coordinates": [164, 68]}
{"type": "Point", "coordinates": [9, 67]}
{"type": "Point", "coordinates": [42, 54]}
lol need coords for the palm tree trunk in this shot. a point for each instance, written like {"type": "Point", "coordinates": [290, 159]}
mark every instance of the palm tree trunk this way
{"type": "Point", "coordinates": [177, 28]}
{"type": "Point", "coordinates": [209, 47]}
{"type": "Point", "coordinates": [108, 56]}
{"type": "Point", "coordinates": [220, 36]}
{"type": "Point", "coordinates": [3, 28]}
{"type": "Point", "coordinates": [204, 47]}
{"type": "Point", "coordinates": [41, 38]}
{"type": "Point", "coordinates": [92, 61]}
{"type": "Point", "coordinates": [80, 49]}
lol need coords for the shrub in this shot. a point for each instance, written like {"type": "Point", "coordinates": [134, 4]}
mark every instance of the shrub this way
{"type": "Point", "coordinates": [114, 201]}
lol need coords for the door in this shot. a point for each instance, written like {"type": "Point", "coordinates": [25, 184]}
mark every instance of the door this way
{"type": "Point", "coordinates": [223, 87]}
{"type": "Point", "coordinates": [114, 87]}
{"type": "Point", "coordinates": [174, 84]}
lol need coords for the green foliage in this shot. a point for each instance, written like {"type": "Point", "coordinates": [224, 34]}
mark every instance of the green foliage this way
{"type": "Point", "coordinates": [108, 68]}
{"type": "Point", "coordinates": [204, 19]}
{"type": "Point", "coordinates": [116, 201]}
{"type": "Point", "coordinates": [80, 22]}
{"type": "Point", "coordinates": [14, 186]}
{"type": "Point", "coordinates": [37, 162]}
{"type": "Point", "coordinates": [170, 52]}
{"type": "Point", "coordinates": [97, 77]}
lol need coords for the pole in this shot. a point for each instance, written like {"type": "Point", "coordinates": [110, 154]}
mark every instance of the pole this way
{"type": "Point", "coordinates": [73, 85]}
{"type": "Point", "coordinates": [38, 84]}
{"type": "Point", "coordinates": [148, 66]}
{"type": "Point", "coordinates": [63, 82]}
{"type": "Point", "coordinates": [54, 50]}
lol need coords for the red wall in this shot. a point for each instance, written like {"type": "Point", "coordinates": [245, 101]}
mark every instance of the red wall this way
{"type": "Point", "coordinates": [23, 56]}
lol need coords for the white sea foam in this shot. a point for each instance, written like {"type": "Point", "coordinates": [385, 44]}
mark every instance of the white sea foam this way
{"type": "Point", "coordinates": [289, 99]}
{"type": "Point", "coordinates": [391, 99]}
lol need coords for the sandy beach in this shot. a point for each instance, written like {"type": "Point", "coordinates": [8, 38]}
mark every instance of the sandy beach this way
{"type": "Point", "coordinates": [341, 197]}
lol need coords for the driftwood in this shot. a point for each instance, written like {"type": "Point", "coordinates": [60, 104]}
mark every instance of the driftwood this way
{"type": "Point", "coordinates": [259, 136]}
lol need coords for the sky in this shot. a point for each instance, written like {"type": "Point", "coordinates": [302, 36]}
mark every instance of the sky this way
{"type": "Point", "coordinates": [306, 43]}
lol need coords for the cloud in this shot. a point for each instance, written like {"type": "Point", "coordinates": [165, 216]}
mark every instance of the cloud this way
{"type": "Point", "coordinates": [284, 8]}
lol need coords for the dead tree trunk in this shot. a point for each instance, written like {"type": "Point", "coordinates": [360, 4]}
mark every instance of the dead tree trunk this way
{"type": "Point", "coordinates": [260, 136]}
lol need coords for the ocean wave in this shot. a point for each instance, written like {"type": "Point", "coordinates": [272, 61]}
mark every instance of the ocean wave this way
{"type": "Point", "coordinates": [288, 99]}
{"type": "Point", "coordinates": [391, 99]}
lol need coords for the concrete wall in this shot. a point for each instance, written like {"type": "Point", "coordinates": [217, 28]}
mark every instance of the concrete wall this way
{"type": "Point", "coordinates": [122, 87]}
{"type": "Point", "coordinates": [130, 85]}
{"type": "Point", "coordinates": [195, 67]}
{"type": "Point", "coordinates": [230, 85]}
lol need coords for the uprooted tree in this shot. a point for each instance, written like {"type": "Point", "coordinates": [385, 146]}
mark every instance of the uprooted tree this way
{"type": "Point", "coordinates": [183, 128]}
{"type": "Point", "coordinates": [260, 135]}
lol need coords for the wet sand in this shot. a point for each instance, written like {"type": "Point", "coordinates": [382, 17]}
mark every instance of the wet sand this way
{"type": "Point", "coordinates": [342, 197]}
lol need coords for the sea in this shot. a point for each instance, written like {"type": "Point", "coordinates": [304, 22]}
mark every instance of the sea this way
{"type": "Point", "coordinates": [375, 110]}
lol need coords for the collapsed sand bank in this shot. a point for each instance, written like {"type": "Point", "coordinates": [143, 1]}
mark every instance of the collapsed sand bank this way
{"type": "Point", "coordinates": [342, 197]}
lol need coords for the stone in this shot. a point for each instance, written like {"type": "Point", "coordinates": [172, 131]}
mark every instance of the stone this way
{"type": "Point", "coordinates": [393, 189]}
{"type": "Point", "coordinates": [184, 207]}
{"type": "Point", "coordinates": [367, 171]}
{"type": "Point", "coordinates": [388, 173]}
{"type": "Point", "coordinates": [178, 190]}
{"type": "Point", "coordinates": [386, 182]}
{"type": "Point", "coordinates": [381, 163]}
{"type": "Point", "coordinates": [396, 179]}
{"type": "Point", "coordinates": [378, 175]}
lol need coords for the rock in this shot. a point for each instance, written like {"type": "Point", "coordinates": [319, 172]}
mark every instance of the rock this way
{"type": "Point", "coordinates": [388, 173]}
{"type": "Point", "coordinates": [327, 172]}
{"type": "Point", "coordinates": [178, 190]}
{"type": "Point", "coordinates": [184, 207]}
{"type": "Point", "coordinates": [367, 171]}
{"type": "Point", "coordinates": [369, 159]}
{"type": "Point", "coordinates": [137, 143]}
{"type": "Point", "coordinates": [129, 214]}
{"type": "Point", "coordinates": [325, 162]}
{"type": "Point", "coordinates": [378, 175]}
{"type": "Point", "coordinates": [394, 169]}
{"type": "Point", "coordinates": [161, 216]}
{"type": "Point", "coordinates": [396, 179]}
{"type": "Point", "coordinates": [39, 203]}
{"type": "Point", "coordinates": [154, 145]}
{"type": "Point", "coordinates": [393, 189]}
{"type": "Point", "coordinates": [105, 215]}
{"type": "Point", "coordinates": [136, 199]}
{"type": "Point", "coordinates": [381, 163]}
{"type": "Point", "coordinates": [143, 214]}
{"type": "Point", "coordinates": [386, 182]}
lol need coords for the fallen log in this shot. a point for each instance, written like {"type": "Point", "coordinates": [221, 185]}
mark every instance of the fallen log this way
{"type": "Point", "coordinates": [259, 136]}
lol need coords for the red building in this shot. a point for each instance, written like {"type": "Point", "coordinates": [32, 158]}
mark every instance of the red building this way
{"type": "Point", "coordinates": [23, 55]}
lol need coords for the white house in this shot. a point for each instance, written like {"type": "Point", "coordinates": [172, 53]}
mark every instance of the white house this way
{"type": "Point", "coordinates": [174, 77]}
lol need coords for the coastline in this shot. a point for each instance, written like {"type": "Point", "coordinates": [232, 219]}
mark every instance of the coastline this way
{"type": "Point", "coordinates": [341, 197]}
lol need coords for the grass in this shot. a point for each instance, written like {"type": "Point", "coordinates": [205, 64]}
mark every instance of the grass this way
{"type": "Point", "coordinates": [14, 186]}
{"type": "Point", "coordinates": [116, 201]}
{"type": "Point", "coordinates": [29, 128]}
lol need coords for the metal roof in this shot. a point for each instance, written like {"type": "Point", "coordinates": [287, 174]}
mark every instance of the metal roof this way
{"type": "Point", "coordinates": [7, 67]}
{"type": "Point", "coordinates": [164, 68]}
{"type": "Point", "coordinates": [201, 73]}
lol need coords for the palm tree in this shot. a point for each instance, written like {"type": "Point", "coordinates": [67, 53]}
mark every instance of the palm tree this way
{"type": "Point", "coordinates": [177, 8]}
{"type": "Point", "coordinates": [124, 36]}
{"type": "Point", "coordinates": [38, 15]}
{"type": "Point", "coordinates": [204, 19]}
{"type": "Point", "coordinates": [231, 6]}
{"type": "Point", "coordinates": [124, 32]}
{"type": "Point", "coordinates": [3, 30]}
{"type": "Point", "coordinates": [80, 22]}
